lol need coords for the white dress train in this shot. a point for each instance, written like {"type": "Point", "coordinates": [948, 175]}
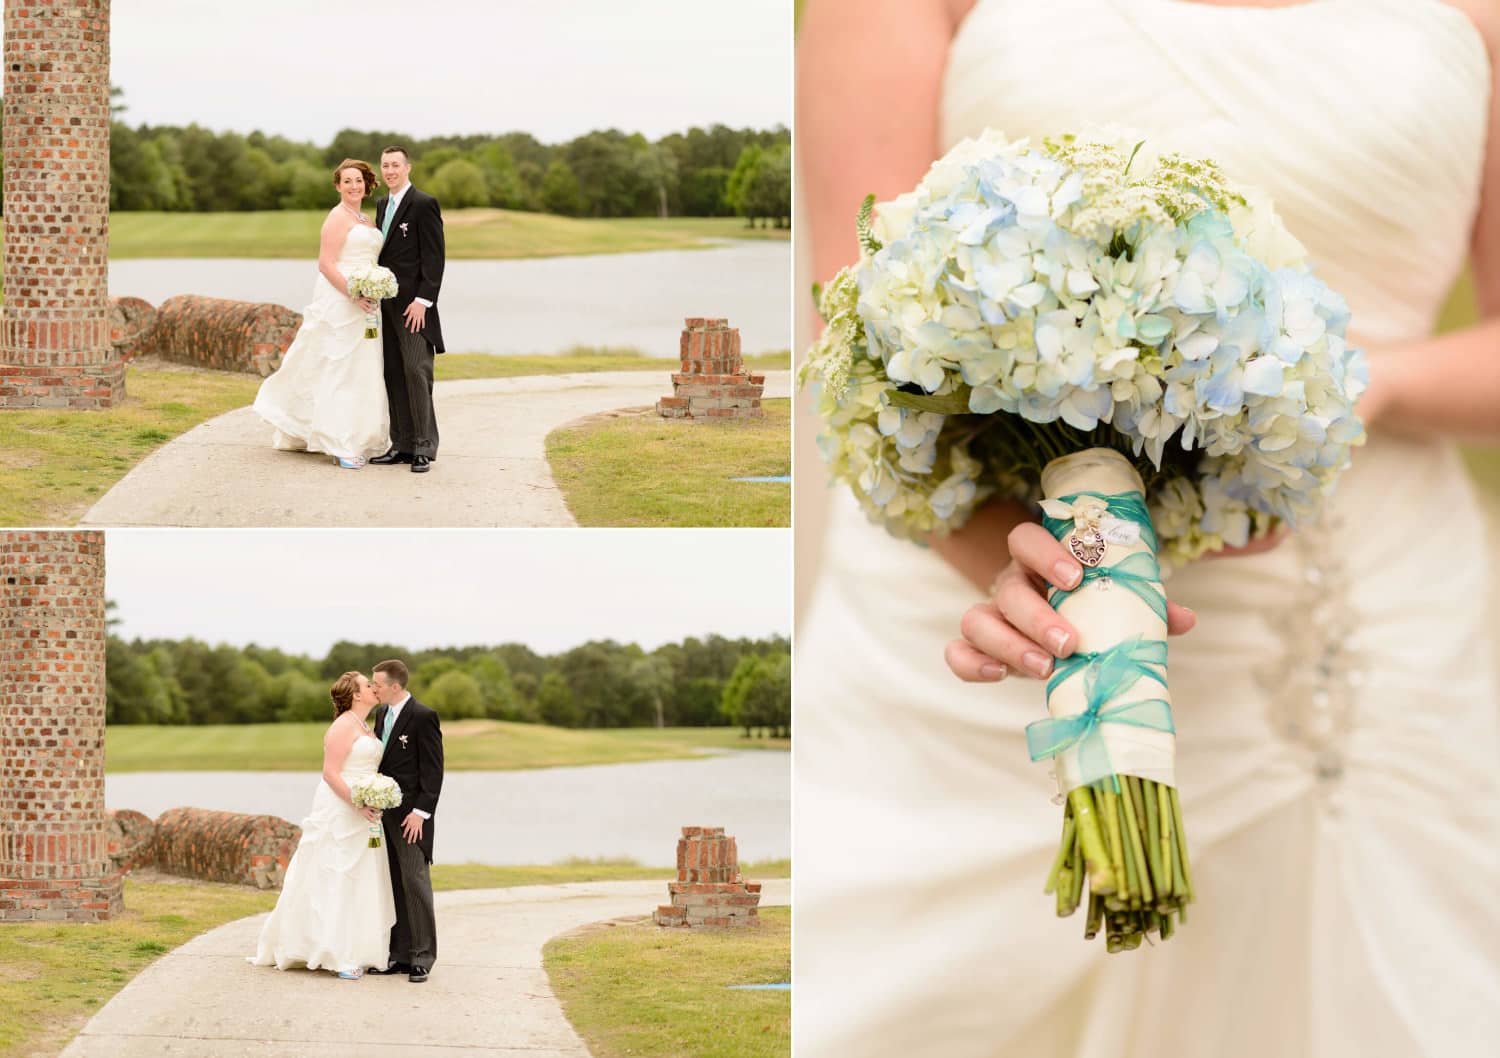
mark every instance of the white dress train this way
{"type": "Point", "coordinates": [329, 395]}
{"type": "Point", "coordinates": [1336, 705]}
{"type": "Point", "coordinates": [336, 907]}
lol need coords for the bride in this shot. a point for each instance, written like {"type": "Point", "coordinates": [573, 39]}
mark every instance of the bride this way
{"type": "Point", "coordinates": [1335, 689]}
{"type": "Point", "coordinates": [329, 393]}
{"type": "Point", "coordinates": [336, 907]}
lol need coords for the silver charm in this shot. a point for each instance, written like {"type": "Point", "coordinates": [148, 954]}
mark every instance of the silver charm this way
{"type": "Point", "coordinates": [1087, 545]}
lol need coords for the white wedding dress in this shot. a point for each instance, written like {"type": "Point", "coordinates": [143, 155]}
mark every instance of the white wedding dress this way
{"type": "Point", "coordinates": [1336, 705]}
{"type": "Point", "coordinates": [336, 908]}
{"type": "Point", "coordinates": [329, 395]}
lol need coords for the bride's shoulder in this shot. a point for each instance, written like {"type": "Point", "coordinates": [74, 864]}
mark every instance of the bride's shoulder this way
{"type": "Point", "coordinates": [1485, 16]}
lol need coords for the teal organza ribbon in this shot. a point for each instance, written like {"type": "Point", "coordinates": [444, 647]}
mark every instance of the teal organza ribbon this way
{"type": "Point", "coordinates": [1127, 506]}
{"type": "Point", "coordinates": [1145, 656]}
{"type": "Point", "coordinates": [1138, 573]}
{"type": "Point", "coordinates": [1106, 675]}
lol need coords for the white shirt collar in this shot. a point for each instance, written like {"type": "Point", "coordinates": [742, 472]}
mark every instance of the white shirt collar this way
{"type": "Point", "coordinates": [396, 196]}
{"type": "Point", "coordinates": [397, 707]}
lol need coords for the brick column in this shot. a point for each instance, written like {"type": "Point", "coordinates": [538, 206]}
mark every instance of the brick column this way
{"type": "Point", "coordinates": [709, 890]}
{"type": "Point", "coordinates": [713, 383]}
{"type": "Point", "coordinates": [55, 349]}
{"type": "Point", "coordinates": [54, 833]}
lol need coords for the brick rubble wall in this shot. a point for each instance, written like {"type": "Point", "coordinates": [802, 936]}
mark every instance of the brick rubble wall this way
{"type": "Point", "coordinates": [709, 890]}
{"type": "Point", "coordinates": [132, 327]}
{"type": "Point", "coordinates": [54, 860]}
{"type": "Point", "coordinates": [227, 335]}
{"type": "Point", "coordinates": [713, 383]}
{"type": "Point", "coordinates": [225, 846]}
{"type": "Point", "coordinates": [55, 349]}
{"type": "Point", "coordinates": [131, 837]}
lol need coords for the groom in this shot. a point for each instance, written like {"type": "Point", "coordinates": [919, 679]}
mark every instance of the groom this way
{"type": "Point", "coordinates": [413, 228]}
{"type": "Point", "coordinates": [414, 758]}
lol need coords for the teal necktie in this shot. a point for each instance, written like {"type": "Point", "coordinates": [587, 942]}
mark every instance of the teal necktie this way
{"type": "Point", "coordinates": [390, 722]}
{"type": "Point", "coordinates": [390, 212]}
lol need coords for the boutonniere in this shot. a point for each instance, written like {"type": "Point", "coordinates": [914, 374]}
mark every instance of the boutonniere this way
{"type": "Point", "coordinates": [402, 226]}
{"type": "Point", "coordinates": [402, 739]}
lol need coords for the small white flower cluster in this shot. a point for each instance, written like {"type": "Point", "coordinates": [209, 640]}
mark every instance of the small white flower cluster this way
{"type": "Point", "coordinates": [375, 791]}
{"type": "Point", "coordinates": [1053, 285]}
{"type": "Point", "coordinates": [373, 282]}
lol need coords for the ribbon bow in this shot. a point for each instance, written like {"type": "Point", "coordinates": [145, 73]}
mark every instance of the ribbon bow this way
{"type": "Point", "coordinates": [1107, 675]}
{"type": "Point", "coordinates": [1139, 573]}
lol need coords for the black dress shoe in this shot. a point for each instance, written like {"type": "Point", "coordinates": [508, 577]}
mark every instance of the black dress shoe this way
{"type": "Point", "coordinates": [393, 968]}
{"type": "Point", "coordinates": [391, 458]}
{"type": "Point", "coordinates": [420, 464]}
{"type": "Point", "coordinates": [418, 975]}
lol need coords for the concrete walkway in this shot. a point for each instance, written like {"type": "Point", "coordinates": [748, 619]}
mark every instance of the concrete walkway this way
{"type": "Point", "coordinates": [491, 468]}
{"type": "Point", "coordinates": [488, 995]}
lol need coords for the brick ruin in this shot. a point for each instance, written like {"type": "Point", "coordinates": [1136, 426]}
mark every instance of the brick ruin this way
{"type": "Point", "coordinates": [709, 890]}
{"type": "Point", "coordinates": [55, 348]}
{"type": "Point", "coordinates": [54, 833]}
{"type": "Point", "coordinates": [713, 383]}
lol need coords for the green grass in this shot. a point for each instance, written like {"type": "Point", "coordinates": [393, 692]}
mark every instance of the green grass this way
{"type": "Point", "coordinates": [54, 977]}
{"type": "Point", "coordinates": [638, 469]}
{"type": "Point", "coordinates": [54, 465]}
{"type": "Point", "coordinates": [451, 366]}
{"type": "Point", "coordinates": [639, 990]}
{"type": "Point", "coordinates": [469, 233]}
{"type": "Point", "coordinates": [468, 745]}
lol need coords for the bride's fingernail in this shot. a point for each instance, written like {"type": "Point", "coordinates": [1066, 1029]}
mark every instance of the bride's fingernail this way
{"type": "Point", "coordinates": [1057, 639]}
{"type": "Point", "coordinates": [1037, 663]}
{"type": "Point", "coordinates": [1067, 574]}
{"type": "Point", "coordinates": [991, 671]}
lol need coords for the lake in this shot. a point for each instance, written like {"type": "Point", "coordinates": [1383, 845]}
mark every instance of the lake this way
{"type": "Point", "coordinates": [535, 817]}
{"type": "Point", "coordinates": [536, 305]}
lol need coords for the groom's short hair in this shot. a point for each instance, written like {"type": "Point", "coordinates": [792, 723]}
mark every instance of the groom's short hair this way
{"type": "Point", "coordinates": [396, 148]}
{"type": "Point", "coordinates": [396, 670]}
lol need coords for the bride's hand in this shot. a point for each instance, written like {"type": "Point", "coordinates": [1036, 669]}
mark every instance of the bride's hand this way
{"type": "Point", "coordinates": [366, 304]}
{"type": "Point", "coordinates": [372, 815]}
{"type": "Point", "coordinates": [1017, 631]}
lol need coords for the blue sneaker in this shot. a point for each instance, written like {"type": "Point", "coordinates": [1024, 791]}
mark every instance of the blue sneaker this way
{"type": "Point", "coordinates": [351, 464]}
{"type": "Point", "coordinates": [346, 975]}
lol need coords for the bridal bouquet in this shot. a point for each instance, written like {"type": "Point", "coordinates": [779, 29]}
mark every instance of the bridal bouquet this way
{"type": "Point", "coordinates": [375, 791]}
{"type": "Point", "coordinates": [377, 284]}
{"type": "Point", "coordinates": [1138, 348]}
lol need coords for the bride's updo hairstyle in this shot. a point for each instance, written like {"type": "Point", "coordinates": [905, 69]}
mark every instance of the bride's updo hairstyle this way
{"type": "Point", "coordinates": [342, 693]}
{"type": "Point", "coordinates": [364, 170]}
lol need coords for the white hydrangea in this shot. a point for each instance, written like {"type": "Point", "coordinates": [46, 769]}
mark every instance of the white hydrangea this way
{"type": "Point", "coordinates": [1092, 290]}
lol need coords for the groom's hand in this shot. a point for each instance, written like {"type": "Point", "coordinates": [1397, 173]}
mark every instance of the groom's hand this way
{"type": "Point", "coordinates": [416, 316]}
{"type": "Point", "coordinates": [412, 828]}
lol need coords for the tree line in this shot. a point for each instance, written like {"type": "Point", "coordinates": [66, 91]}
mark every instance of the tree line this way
{"type": "Point", "coordinates": [713, 172]}
{"type": "Point", "coordinates": [695, 683]}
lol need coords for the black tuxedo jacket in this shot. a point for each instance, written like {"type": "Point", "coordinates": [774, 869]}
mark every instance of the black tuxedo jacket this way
{"type": "Point", "coordinates": [414, 758]}
{"type": "Point", "coordinates": [415, 254]}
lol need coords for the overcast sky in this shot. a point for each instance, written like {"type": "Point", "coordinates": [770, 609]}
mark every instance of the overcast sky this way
{"type": "Point", "coordinates": [554, 68]}
{"type": "Point", "coordinates": [303, 590]}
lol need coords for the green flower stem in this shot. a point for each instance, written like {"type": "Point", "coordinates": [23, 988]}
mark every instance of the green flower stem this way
{"type": "Point", "coordinates": [1064, 888]}
{"type": "Point", "coordinates": [1132, 874]}
{"type": "Point", "coordinates": [1187, 873]}
{"type": "Point", "coordinates": [1164, 813]}
{"type": "Point", "coordinates": [1167, 928]}
{"type": "Point", "coordinates": [1109, 809]}
{"type": "Point", "coordinates": [1146, 792]}
{"type": "Point", "coordinates": [1064, 854]}
{"type": "Point", "coordinates": [1095, 856]}
{"type": "Point", "coordinates": [1096, 916]}
{"type": "Point", "coordinates": [1137, 846]}
{"type": "Point", "coordinates": [1076, 895]}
